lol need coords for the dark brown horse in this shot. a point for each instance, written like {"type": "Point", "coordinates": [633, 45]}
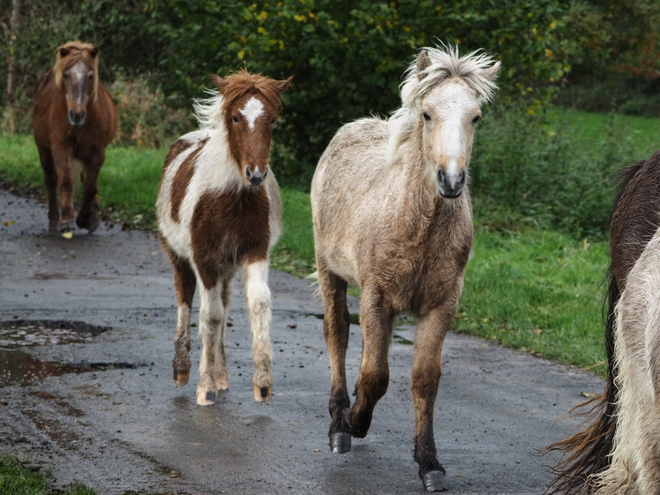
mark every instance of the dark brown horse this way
{"type": "Point", "coordinates": [599, 459]}
{"type": "Point", "coordinates": [74, 119]}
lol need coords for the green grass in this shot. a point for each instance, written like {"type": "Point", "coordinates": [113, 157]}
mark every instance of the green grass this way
{"type": "Point", "coordinates": [16, 479]}
{"type": "Point", "coordinates": [537, 291]}
{"type": "Point", "coordinates": [593, 128]}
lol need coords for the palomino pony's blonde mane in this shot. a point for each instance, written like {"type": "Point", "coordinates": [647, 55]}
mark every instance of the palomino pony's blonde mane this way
{"type": "Point", "coordinates": [77, 51]}
{"type": "Point", "coordinates": [477, 69]}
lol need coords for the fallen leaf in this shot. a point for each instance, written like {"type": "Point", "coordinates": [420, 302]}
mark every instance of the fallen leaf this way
{"type": "Point", "coordinates": [67, 235]}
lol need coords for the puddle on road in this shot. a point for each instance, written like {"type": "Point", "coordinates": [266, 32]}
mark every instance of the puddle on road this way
{"type": "Point", "coordinates": [18, 366]}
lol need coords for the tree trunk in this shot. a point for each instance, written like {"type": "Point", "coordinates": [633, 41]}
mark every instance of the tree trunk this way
{"type": "Point", "coordinates": [11, 66]}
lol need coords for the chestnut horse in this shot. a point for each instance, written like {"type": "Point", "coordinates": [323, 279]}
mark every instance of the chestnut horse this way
{"type": "Point", "coordinates": [620, 449]}
{"type": "Point", "coordinates": [392, 215]}
{"type": "Point", "coordinates": [219, 211]}
{"type": "Point", "coordinates": [74, 119]}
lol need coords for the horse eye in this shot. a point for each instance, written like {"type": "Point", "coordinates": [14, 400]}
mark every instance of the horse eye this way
{"type": "Point", "coordinates": [272, 122]}
{"type": "Point", "coordinates": [90, 77]}
{"type": "Point", "coordinates": [65, 75]}
{"type": "Point", "coordinates": [476, 119]}
{"type": "Point", "coordinates": [427, 117]}
{"type": "Point", "coordinates": [234, 118]}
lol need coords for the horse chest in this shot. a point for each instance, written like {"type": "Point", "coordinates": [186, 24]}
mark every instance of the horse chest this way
{"type": "Point", "coordinates": [230, 228]}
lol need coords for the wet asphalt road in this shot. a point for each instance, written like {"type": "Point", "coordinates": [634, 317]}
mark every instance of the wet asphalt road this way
{"type": "Point", "coordinates": [122, 426]}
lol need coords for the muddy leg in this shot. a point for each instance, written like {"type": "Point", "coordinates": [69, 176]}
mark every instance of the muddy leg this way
{"type": "Point", "coordinates": [222, 381]}
{"type": "Point", "coordinates": [184, 284]}
{"type": "Point", "coordinates": [336, 322]}
{"type": "Point", "coordinates": [376, 320]}
{"type": "Point", "coordinates": [50, 178]}
{"type": "Point", "coordinates": [88, 216]}
{"type": "Point", "coordinates": [211, 320]}
{"type": "Point", "coordinates": [259, 308]}
{"type": "Point", "coordinates": [427, 369]}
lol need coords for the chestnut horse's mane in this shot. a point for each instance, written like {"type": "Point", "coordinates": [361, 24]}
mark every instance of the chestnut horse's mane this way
{"type": "Point", "coordinates": [71, 53]}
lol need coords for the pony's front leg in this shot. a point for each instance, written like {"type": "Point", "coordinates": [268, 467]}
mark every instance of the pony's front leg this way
{"type": "Point", "coordinates": [259, 308]}
{"type": "Point", "coordinates": [64, 171]}
{"type": "Point", "coordinates": [427, 369]}
{"type": "Point", "coordinates": [88, 216]}
{"type": "Point", "coordinates": [376, 320]}
{"type": "Point", "coordinates": [212, 365]}
{"type": "Point", "coordinates": [336, 324]}
{"type": "Point", "coordinates": [50, 178]}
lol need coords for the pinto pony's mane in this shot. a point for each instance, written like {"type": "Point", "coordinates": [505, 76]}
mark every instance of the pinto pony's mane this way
{"type": "Point", "coordinates": [477, 69]}
{"type": "Point", "coordinates": [70, 54]}
{"type": "Point", "coordinates": [210, 111]}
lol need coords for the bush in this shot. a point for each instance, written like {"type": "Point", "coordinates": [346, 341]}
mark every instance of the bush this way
{"type": "Point", "coordinates": [535, 170]}
{"type": "Point", "coordinates": [144, 117]}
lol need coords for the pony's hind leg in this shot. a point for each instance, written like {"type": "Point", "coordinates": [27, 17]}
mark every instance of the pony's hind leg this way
{"type": "Point", "coordinates": [259, 308]}
{"type": "Point", "coordinates": [426, 372]}
{"type": "Point", "coordinates": [184, 283]}
{"type": "Point", "coordinates": [88, 216]}
{"type": "Point", "coordinates": [222, 381]}
{"type": "Point", "coordinates": [336, 322]}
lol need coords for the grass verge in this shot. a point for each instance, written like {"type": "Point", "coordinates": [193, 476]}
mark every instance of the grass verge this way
{"type": "Point", "coordinates": [16, 479]}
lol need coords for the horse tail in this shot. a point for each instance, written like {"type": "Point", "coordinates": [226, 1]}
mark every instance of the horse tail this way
{"type": "Point", "coordinates": [587, 452]}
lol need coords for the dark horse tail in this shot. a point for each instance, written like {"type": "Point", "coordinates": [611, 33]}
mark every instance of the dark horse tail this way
{"type": "Point", "coordinates": [634, 220]}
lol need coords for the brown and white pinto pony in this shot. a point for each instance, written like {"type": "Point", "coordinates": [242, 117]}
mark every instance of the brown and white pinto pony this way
{"type": "Point", "coordinates": [74, 119]}
{"type": "Point", "coordinates": [219, 211]}
{"type": "Point", "coordinates": [392, 215]}
{"type": "Point", "coordinates": [619, 452]}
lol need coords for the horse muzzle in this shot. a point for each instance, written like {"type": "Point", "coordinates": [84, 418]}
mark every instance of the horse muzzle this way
{"type": "Point", "coordinates": [450, 184]}
{"type": "Point", "coordinates": [255, 177]}
{"type": "Point", "coordinates": [77, 119]}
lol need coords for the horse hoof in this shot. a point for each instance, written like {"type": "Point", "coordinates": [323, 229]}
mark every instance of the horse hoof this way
{"type": "Point", "coordinates": [262, 394]}
{"type": "Point", "coordinates": [205, 398]}
{"type": "Point", "coordinates": [91, 225]}
{"type": "Point", "coordinates": [181, 377]}
{"type": "Point", "coordinates": [435, 481]}
{"type": "Point", "coordinates": [340, 443]}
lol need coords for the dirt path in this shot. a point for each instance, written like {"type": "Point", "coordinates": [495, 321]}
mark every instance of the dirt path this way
{"type": "Point", "coordinates": [95, 401]}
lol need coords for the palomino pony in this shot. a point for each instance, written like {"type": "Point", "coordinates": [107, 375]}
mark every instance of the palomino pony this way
{"type": "Point", "coordinates": [74, 118]}
{"type": "Point", "coordinates": [219, 210]}
{"type": "Point", "coordinates": [620, 450]}
{"type": "Point", "coordinates": [392, 215]}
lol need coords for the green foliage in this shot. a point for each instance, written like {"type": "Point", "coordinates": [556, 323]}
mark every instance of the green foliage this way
{"type": "Point", "coordinates": [145, 120]}
{"type": "Point", "coordinates": [555, 170]}
{"type": "Point", "coordinates": [348, 57]}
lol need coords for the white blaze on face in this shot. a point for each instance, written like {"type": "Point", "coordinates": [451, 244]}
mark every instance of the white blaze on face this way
{"type": "Point", "coordinates": [252, 110]}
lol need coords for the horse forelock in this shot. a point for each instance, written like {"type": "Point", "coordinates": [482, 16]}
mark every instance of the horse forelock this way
{"type": "Point", "coordinates": [77, 52]}
{"type": "Point", "coordinates": [477, 69]}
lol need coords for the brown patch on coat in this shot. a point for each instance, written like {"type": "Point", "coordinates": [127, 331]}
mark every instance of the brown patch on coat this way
{"type": "Point", "coordinates": [179, 146]}
{"type": "Point", "coordinates": [229, 229]}
{"type": "Point", "coordinates": [182, 178]}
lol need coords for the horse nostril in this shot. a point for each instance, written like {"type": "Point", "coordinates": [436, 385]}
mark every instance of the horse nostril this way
{"type": "Point", "coordinates": [266, 172]}
{"type": "Point", "coordinates": [248, 172]}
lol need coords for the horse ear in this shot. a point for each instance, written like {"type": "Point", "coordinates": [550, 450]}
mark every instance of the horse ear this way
{"type": "Point", "coordinates": [423, 61]}
{"type": "Point", "coordinates": [64, 52]}
{"type": "Point", "coordinates": [282, 86]}
{"type": "Point", "coordinates": [219, 82]}
{"type": "Point", "coordinates": [94, 52]}
{"type": "Point", "coordinates": [491, 72]}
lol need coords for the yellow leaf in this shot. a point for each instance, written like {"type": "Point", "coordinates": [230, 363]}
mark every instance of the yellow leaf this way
{"type": "Point", "coordinates": [241, 54]}
{"type": "Point", "coordinates": [264, 15]}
